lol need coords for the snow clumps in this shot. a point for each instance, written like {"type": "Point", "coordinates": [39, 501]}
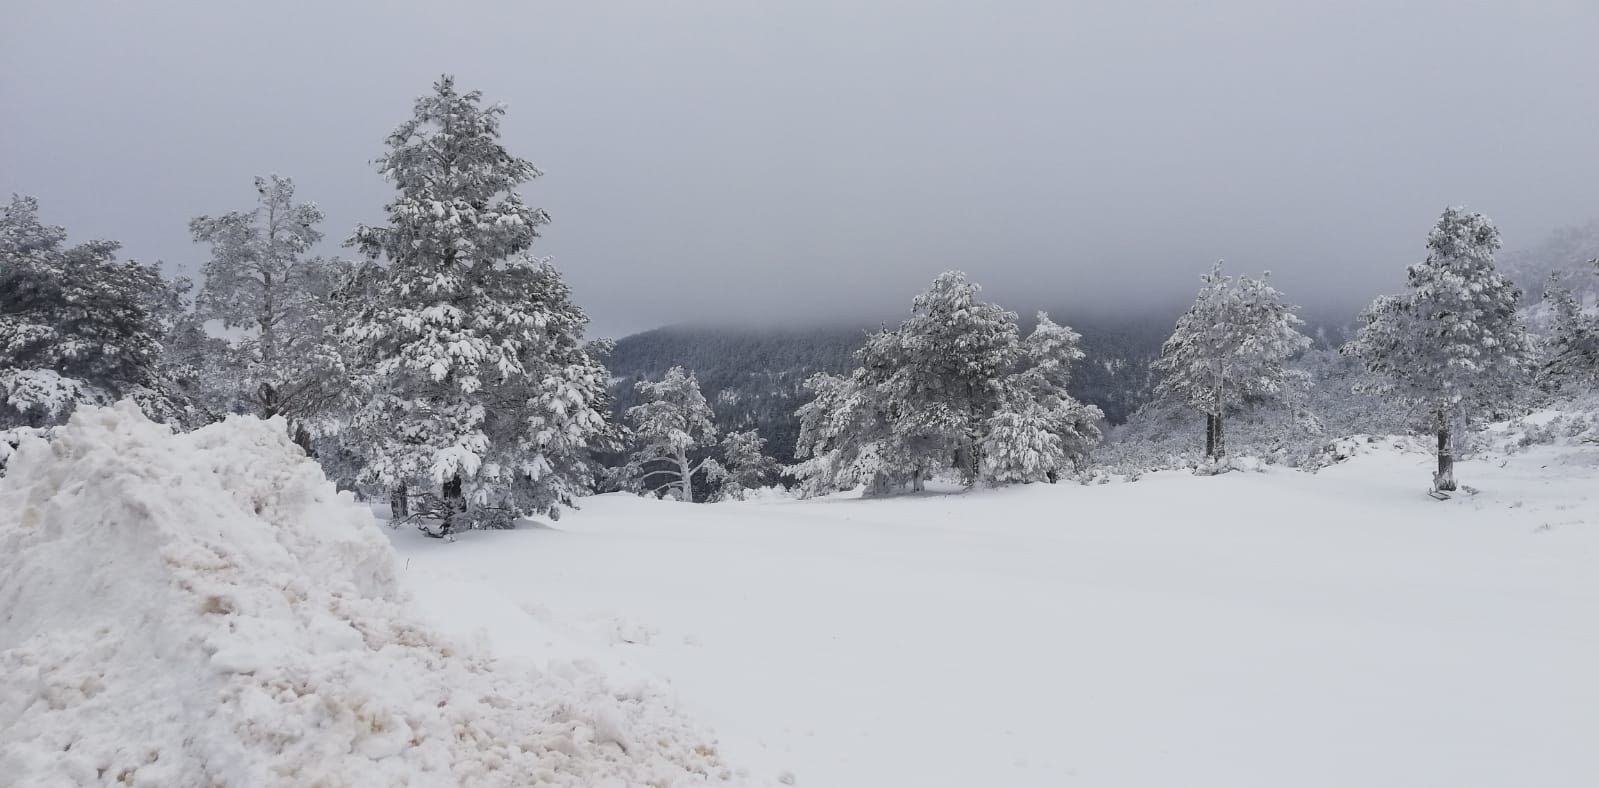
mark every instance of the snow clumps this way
{"type": "Point", "coordinates": [205, 609]}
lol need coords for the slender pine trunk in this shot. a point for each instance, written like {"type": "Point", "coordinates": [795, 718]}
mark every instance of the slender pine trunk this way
{"type": "Point", "coordinates": [1444, 480]}
{"type": "Point", "coordinates": [1210, 434]}
{"type": "Point", "coordinates": [400, 502]}
{"type": "Point", "coordinates": [454, 503]}
{"type": "Point", "coordinates": [1221, 440]}
{"type": "Point", "coordinates": [302, 438]}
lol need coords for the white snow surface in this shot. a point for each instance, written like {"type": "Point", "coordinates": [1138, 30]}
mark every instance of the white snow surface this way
{"type": "Point", "coordinates": [205, 610]}
{"type": "Point", "coordinates": [1262, 629]}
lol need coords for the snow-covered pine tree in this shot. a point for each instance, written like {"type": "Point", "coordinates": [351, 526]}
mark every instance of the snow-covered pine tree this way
{"type": "Point", "coordinates": [836, 425]}
{"type": "Point", "coordinates": [1230, 348]}
{"type": "Point", "coordinates": [474, 391]}
{"type": "Point", "coordinates": [747, 466]}
{"type": "Point", "coordinates": [1453, 346]}
{"type": "Point", "coordinates": [1040, 429]}
{"type": "Point", "coordinates": [923, 395]}
{"type": "Point", "coordinates": [260, 279]}
{"type": "Point", "coordinates": [76, 326]}
{"type": "Point", "coordinates": [673, 422]}
{"type": "Point", "coordinates": [945, 378]}
{"type": "Point", "coordinates": [1572, 358]}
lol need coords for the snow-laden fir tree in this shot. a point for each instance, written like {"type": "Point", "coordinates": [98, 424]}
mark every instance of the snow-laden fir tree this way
{"type": "Point", "coordinates": [1230, 348]}
{"type": "Point", "coordinates": [945, 377]}
{"type": "Point", "coordinates": [1040, 429]}
{"type": "Point", "coordinates": [920, 399]}
{"type": "Point", "coordinates": [1571, 361]}
{"type": "Point", "coordinates": [261, 280]}
{"type": "Point", "coordinates": [833, 427]}
{"type": "Point", "coordinates": [474, 392]}
{"type": "Point", "coordinates": [672, 423]}
{"type": "Point", "coordinates": [746, 464]}
{"type": "Point", "coordinates": [952, 387]}
{"type": "Point", "coordinates": [77, 326]}
{"type": "Point", "coordinates": [1453, 346]}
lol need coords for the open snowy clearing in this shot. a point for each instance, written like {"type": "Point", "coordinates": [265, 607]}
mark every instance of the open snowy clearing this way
{"type": "Point", "coordinates": [1254, 629]}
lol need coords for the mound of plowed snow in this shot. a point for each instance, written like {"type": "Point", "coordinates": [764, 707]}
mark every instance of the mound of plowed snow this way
{"type": "Point", "coordinates": [205, 609]}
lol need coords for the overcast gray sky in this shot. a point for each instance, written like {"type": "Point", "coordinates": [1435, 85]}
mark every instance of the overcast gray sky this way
{"type": "Point", "coordinates": [824, 159]}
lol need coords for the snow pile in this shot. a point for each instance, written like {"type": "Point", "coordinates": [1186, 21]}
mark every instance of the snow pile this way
{"type": "Point", "coordinates": [205, 609]}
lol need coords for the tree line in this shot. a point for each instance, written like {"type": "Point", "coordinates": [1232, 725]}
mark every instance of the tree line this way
{"type": "Point", "coordinates": [446, 366]}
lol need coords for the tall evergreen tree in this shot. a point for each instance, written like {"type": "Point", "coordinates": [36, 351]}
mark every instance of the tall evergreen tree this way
{"type": "Point", "coordinates": [77, 326]}
{"type": "Point", "coordinates": [1230, 348]}
{"type": "Point", "coordinates": [1041, 430]}
{"type": "Point", "coordinates": [1572, 358]}
{"type": "Point", "coordinates": [947, 376]}
{"type": "Point", "coordinates": [748, 467]}
{"type": "Point", "coordinates": [673, 422]}
{"type": "Point", "coordinates": [952, 387]}
{"type": "Point", "coordinates": [919, 400]}
{"type": "Point", "coordinates": [1453, 346]}
{"type": "Point", "coordinates": [261, 279]}
{"type": "Point", "coordinates": [475, 392]}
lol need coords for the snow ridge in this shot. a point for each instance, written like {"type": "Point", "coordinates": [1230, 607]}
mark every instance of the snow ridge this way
{"type": "Point", "coordinates": [206, 609]}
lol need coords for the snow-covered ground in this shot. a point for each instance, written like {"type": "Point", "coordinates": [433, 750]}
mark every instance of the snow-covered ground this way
{"type": "Point", "coordinates": [1253, 629]}
{"type": "Point", "coordinates": [204, 609]}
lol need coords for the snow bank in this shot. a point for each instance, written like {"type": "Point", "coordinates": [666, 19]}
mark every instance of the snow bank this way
{"type": "Point", "coordinates": [205, 609]}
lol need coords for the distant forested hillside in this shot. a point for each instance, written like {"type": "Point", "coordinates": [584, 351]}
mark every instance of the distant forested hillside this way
{"type": "Point", "coordinates": [754, 377]}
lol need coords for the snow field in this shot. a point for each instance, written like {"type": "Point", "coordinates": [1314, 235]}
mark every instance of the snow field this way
{"type": "Point", "coordinates": [1251, 629]}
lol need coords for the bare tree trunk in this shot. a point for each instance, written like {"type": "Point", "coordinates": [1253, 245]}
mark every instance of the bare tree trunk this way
{"type": "Point", "coordinates": [1210, 435]}
{"type": "Point", "coordinates": [268, 398]}
{"type": "Point", "coordinates": [399, 502]}
{"type": "Point", "coordinates": [454, 503]}
{"type": "Point", "coordinates": [1221, 440]}
{"type": "Point", "coordinates": [1444, 480]}
{"type": "Point", "coordinates": [685, 492]}
{"type": "Point", "coordinates": [302, 438]}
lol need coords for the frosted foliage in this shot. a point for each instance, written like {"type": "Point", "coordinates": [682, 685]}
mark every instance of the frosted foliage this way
{"type": "Point", "coordinates": [746, 465]}
{"type": "Point", "coordinates": [1230, 349]}
{"type": "Point", "coordinates": [205, 609]}
{"type": "Point", "coordinates": [1231, 346]}
{"type": "Point", "coordinates": [1020, 447]}
{"type": "Point", "coordinates": [1452, 347]}
{"type": "Point", "coordinates": [1572, 357]}
{"type": "Point", "coordinates": [76, 326]}
{"type": "Point", "coordinates": [260, 280]}
{"type": "Point", "coordinates": [470, 355]}
{"type": "Point", "coordinates": [952, 388]}
{"type": "Point", "coordinates": [673, 421]}
{"type": "Point", "coordinates": [1040, 431]}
